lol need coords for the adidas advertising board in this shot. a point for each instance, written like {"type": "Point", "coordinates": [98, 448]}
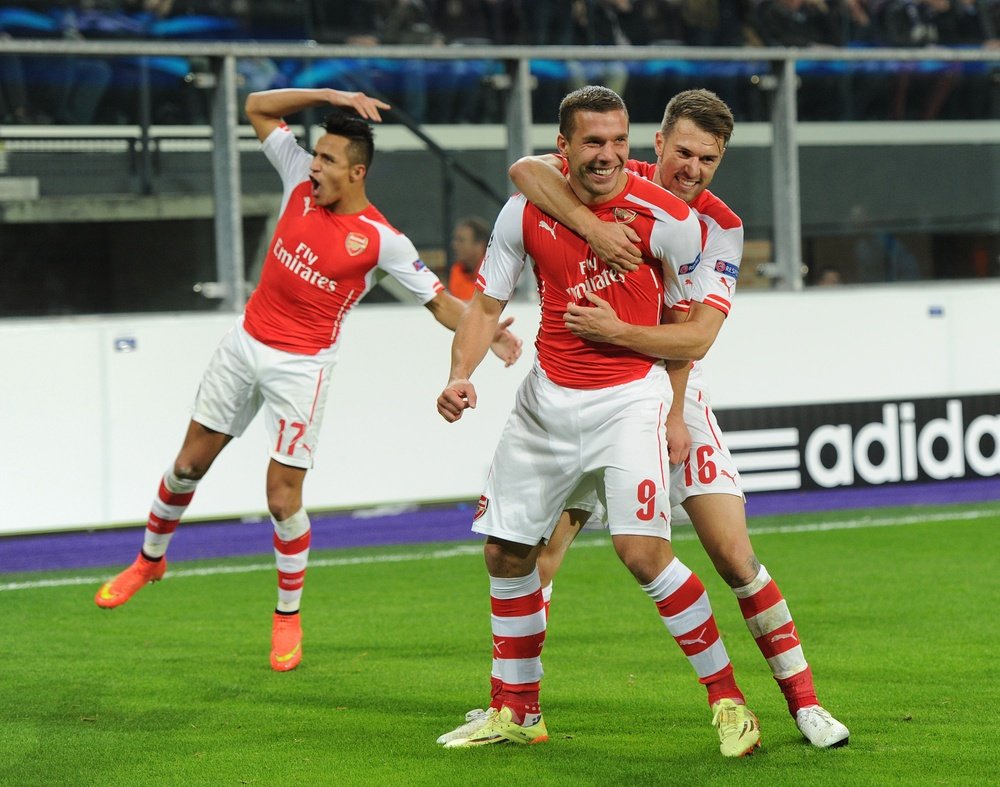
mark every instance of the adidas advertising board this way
{"type": "Point", "coordinates": [824, 446]}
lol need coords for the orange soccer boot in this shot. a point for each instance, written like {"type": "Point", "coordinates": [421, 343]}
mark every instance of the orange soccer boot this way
{"type": "Point", "coordinates": [117, 591]}
{"type": "Point", "coordinates": [286, 642]}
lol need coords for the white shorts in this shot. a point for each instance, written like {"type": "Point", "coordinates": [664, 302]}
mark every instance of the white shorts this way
{"type": "Point", "coordinates": [708, 470]}
{"type": "Point", "coordinates": [245, 375]}
{"type": "Point", "coordinates": [613, 438]}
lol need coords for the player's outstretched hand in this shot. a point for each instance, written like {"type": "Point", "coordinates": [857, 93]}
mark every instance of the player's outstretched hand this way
{"type": "Point", "coordinates": [598, 323]}
{"type": "Point", "coordinates": [678, 438]}
{"type": "Point", "coordinates": [459, 395]}
{"type": "Point", "coordinates": [364, 105]}
{"type": "Point", "coordinates": [616, 245]}
{"type": "Point", "coordinates": [506, 346]}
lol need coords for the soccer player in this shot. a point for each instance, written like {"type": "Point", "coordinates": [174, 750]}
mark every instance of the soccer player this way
{"type": "Point", "coordinates": [588, 412]}
{"type": "Point", "coordinates": [690, 144]}
{"type": "Point", "coordinates": [327, 245]}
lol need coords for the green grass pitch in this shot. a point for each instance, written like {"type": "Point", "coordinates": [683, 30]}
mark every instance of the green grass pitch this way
{"type": "Point", "coordinates": [896, 610]}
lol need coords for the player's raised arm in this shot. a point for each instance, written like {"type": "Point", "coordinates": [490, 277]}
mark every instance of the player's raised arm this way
{"type": "Point", "coordinates": [540, 180]}
{"type": "Point", "coordinates": [473, 337]}
{"type": "Point", "coordinates": [266, 109]}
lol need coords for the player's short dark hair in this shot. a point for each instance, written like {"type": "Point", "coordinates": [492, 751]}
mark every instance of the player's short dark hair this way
{"type": "Point", "coordinates": [703, 108]}
{"type": "Point", "coordinates": [592, 98]}
{"type": "Point", "coordinates": [359, 135]}
{"type": "Point", "coordinates": [479, 227]}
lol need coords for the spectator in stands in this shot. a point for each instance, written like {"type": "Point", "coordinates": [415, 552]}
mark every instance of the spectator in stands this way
{"type": "Point", "coordinates": [78, 83]}
{"type": "Point", "coordinates": [653, 22]}
{"type": "Point", "coordinates": [345, 21]}
{"type": "Point", "coordinates": [462, 83]}
{"type": "Point", "coordinates": [828, 276]}
{"type": "Point", "coordinates": [599, 23]}
{"type": "Point", "coordinates": [548, 23]}
{"type": "Point", "coordinates": [798, 23]}
{"type": "Point", "coordinates": [13, 95]}
{"type": "Point", "coordinates": [410, 22]}
{"type": "Point", "coordinates": [464, 21]}
{"type": "Point", "coordinates": [917, 23]}
{"type": "Point", "coordinates": [968, 23]}
{"type": "Point", "coordinates": [468, 247]}
{"type": "Point", "coordinates": [880, 255]}
{"type": "Point", "coordinates": [712, 22]}
{"type": "Point", "coordinates": [808, 23]}
{"type": "Point", "coordinates": [857, 23]}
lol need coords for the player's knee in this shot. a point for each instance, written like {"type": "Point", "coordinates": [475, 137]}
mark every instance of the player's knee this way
{"type": "Point", "coordinates": [282, 504]}
{"type": "Point", "coordinates": [508, 559]}
{"type": "Point", "coordinates": [643, 568]}
{"type": "Point", "coordinates": [190, 471]}
{"type": "Point", "coordinates": [645, 558]}
{"type": "Point", "coordinates": [737, 567]}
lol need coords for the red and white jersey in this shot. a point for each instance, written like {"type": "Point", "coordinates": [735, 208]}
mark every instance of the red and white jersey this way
{"type": "Point", "coordinates": [320, 263]}
{"type": "Point", "coordinates": [566, 267]}
{"type": "Point", "coordinates": [712, 280]}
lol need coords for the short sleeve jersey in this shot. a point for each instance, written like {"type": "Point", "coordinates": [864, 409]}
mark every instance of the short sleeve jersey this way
{"type": "Point", "coordinates": [566, 267]}
{"type": "Point", "coordinates": [712, 279]}
{"type": "Point", "coordinates": [320, 263]}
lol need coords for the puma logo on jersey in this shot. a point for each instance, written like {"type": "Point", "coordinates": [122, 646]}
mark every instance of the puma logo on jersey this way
{"type": "Point", "coordinates": [699, 640]}
{"type": "Point", "coordinates": [308, 206]}
{"type": "Point", "coordinates": [551, 230]}
{"type": "Point", "coordinates": [727, 285]}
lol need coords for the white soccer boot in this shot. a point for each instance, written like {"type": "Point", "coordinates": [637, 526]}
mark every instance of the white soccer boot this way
{"type": "Point", "coordinates": [820, 728]}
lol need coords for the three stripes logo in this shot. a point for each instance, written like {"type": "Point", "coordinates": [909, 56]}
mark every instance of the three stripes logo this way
{"type": "Point", "coordinates": [864, 443]}
{"type": "Point", "coordinates": [768, 459]}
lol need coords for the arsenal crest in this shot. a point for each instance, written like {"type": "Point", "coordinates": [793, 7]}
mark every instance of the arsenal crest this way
{"type": "Point", "coordinates": [356, 243]}
{"type": "Point", "coordinates": [625, 216]}
{"type": "Point", "coordinates": [484, 503]}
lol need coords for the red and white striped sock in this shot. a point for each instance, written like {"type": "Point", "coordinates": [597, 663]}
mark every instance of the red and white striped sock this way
{"type": "Point", "coordinates": [518, 634]}
{"type": "Point", "coordinates": [771, 625]}
{"type": "Point", "coordinates": [172, 499]}
{"type": "Point", "coordinates": [291, 553]}
{"type": "Point", "coordinates": [684, 608]}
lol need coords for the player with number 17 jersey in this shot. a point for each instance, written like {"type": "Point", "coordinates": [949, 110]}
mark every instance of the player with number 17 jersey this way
{"type": "Point", "coordinates": [321, 263]}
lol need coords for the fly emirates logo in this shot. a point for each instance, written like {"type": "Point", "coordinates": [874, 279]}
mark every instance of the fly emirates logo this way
{"type": "Point", "coordinates": [301, 262]}
{"type": "Point", "coordinates": [594, 279]}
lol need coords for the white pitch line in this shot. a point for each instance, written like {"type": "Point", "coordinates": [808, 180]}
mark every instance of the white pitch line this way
{"type": "Point", "coordinates": [475, 549]}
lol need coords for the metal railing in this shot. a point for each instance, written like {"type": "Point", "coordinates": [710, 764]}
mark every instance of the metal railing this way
{"type": "Point", "coordinates": [221, 82]}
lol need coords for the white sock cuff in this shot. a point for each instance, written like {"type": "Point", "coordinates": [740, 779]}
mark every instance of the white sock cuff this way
{"type": "Point", "coordinates": [755, 586]}
{"type": "Point", "coordinates": [671, 578]}
{"type": "Point", "coordinates": [295, 526]}
{"type": "Point", "coordinates": [515, 587]}
{"type": "Point", "coordinates": [547, 593]}
{"type": "Point", "coordinates": [178, 486]}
